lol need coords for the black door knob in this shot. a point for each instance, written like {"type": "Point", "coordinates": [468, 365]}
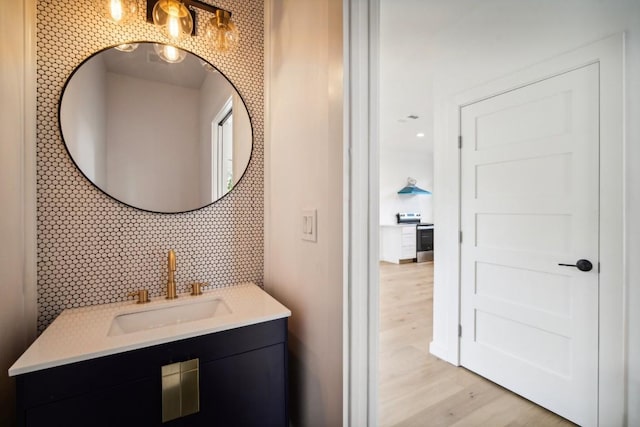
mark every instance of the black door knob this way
{"type": "Point", "coordinates": [581, 264]}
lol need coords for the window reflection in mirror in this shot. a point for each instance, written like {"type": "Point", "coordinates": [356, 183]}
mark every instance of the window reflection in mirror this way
{"type": "Point", "coordinates": [222, 149]}
{"type": "Point", "coordinates": [159, 136]}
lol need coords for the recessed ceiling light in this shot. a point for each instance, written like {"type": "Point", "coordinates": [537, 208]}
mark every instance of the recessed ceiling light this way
{"type": "Point", "coordinates": [420, 135]}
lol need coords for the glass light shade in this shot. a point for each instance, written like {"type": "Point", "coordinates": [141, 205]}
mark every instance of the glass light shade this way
{"type": "Point", "coordinates": [221, 32]}
{"type": "Point", "coordinates": [170, 54]}
{"type": "Point", "coordinates": [118, 11]}
{"type": "Point", "coordinates": [173, 18]}
{"type": "Point", "coordinates": [208, 66]}
{"type": "Point", "coordinates": [127, 47]}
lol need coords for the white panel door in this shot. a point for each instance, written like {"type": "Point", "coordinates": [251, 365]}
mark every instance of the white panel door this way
{"type": "Point", "coordinates": [530, 195]}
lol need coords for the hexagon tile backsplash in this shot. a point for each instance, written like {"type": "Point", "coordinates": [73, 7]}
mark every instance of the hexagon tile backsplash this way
{"type": "Point", "coordinates": [93, 249]}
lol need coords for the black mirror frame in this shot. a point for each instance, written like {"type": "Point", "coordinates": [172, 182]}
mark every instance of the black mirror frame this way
{"type": "Point", "coordinates": [77, 67]}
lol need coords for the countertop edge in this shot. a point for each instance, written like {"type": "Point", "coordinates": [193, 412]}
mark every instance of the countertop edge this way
{"type": "Point", "coordinates": [25, 363]}
{"type": "Point", "coordinates": [143, 344]}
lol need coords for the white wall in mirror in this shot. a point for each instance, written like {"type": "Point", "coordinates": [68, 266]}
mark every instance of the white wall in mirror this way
{"type": "Point", "coordinates": [90, 125]}
{"type": "Point", "coordinates": [165, 155]}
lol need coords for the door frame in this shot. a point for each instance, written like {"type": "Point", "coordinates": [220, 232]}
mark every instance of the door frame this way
{"type": "Point", "coordinates": [609, 54]}
{"type": "Point", "coordinates": [361, 230]}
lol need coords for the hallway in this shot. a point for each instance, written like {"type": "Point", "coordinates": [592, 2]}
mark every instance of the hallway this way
{"type": "Point", "coordinates": [418, 389]}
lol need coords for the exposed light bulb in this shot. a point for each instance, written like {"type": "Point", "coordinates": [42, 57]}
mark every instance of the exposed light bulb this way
{"type": "Point", "coordinates": [115, 9]}
{"type": "Point", "coordinates": [118, 11]}
{"type": "Point", "coordinates": [170, 54]}
{"type": "Point", "coordinates": [173, 18]}
{"type": "Point", "coordinates": [173, 27]}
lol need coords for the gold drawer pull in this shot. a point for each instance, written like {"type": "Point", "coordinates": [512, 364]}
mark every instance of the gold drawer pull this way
{"type": "Point", "coordinates": [180, 389]}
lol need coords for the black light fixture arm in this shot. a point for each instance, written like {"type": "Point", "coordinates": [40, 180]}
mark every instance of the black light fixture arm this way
{"type": "Point", "coordinates": [204, 6]}
{"type": "Point", "coordinates": [190, 4]}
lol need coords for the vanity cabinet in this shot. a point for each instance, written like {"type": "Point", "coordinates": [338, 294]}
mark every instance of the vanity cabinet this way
{"type": "Point", "coordinates": [242, 382]}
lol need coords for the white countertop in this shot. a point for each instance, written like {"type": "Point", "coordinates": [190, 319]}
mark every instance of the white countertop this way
{"type": "Point", "coordinates": [82, 333]}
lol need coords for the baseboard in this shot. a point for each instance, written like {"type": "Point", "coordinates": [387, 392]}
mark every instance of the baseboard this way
{"type": "Point", "coordinates": [440, 352]}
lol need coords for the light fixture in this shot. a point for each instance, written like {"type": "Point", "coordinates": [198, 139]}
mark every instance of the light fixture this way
{"type": "Point", "coordinates": [127, 47]}
{"type": "Point", "coordinates": [118, 11]}
{"type": "Point", "coordinates": [221, 32]}
{"type": "Point", "coordinates": [411, 188]}
{"type": "Point", "coordinates": [170, 54]}
{"type": "Point", "coordinates": [420, 134]}
{"type": "Point", "coordinates": [176, 18]}
{"type": "Point", "coordinates": [173, 18]}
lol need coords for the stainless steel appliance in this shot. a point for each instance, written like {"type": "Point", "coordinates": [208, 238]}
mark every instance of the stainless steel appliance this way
{"type": "Point", "coordinates": [424, 242]}
{"type": "Point", "coordinates": [409, 218]}
{"type": "Point", "coordinates": [424, 235]}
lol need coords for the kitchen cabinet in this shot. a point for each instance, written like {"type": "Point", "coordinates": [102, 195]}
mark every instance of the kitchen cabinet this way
{"type": "Point", "coordinates": [398, 243]}
{"type": "Point", "coordinates": [242, 382]}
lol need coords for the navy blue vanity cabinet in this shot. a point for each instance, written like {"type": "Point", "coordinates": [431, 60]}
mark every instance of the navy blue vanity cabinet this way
{"type": "Point", "coordinates": [242, 375]}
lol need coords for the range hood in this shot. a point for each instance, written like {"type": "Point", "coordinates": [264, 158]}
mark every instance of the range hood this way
{"type": "Point", "coordinates": [411, 188]}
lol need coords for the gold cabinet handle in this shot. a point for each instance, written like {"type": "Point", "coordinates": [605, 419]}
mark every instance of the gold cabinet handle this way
{"type": "Point", "coordinates": [142, 294]}
{"type": "Point", "coordinates": [196, 288]}
{"type": "Point", "coordinates": [180, 389]}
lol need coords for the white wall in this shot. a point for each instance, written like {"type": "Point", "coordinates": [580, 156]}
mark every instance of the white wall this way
{"type": "Point", "coordinates": [499, 37]}
{"type": "Point", "coordinates": [17, 299]}
{"type": "Point", "coordinates": [150, 162]}
{"type": "Point", "coordinates": [304, 169]}
{"type": "Point", "coordinates": [395, 167]}
{"type": "Point", "coordinates": [84, 118]}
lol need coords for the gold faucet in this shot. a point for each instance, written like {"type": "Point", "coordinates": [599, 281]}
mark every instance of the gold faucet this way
{"type": "Point", "coordinates": [171, 270]}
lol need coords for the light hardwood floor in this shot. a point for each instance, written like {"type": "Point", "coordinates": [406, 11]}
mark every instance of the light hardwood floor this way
{"type": "Point", "coordinates": [416, 388]}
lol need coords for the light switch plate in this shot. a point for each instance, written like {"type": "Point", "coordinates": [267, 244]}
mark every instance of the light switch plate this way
{"type": "Point", "coordinates": [309, 225]}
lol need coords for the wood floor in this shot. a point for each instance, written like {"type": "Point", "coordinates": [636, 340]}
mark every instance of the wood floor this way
{"type": "Point", "coordinates": [416, 388]}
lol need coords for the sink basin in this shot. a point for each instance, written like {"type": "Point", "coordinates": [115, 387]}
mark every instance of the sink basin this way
{"type": "Point", "coordinates": [166, 316]}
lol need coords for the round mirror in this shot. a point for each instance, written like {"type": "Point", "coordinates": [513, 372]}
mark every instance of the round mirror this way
{"type": "Point", "coordinates": [155, 127]}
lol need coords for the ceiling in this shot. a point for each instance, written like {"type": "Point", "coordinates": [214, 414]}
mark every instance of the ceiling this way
{"type": "Point", "coordinates": [408, 32]}
{"type": "Point", "coordinates": [144, 63]}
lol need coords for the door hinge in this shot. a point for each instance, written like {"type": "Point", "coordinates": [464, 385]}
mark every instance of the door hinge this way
{"type": "Point", "coordinates": [460, 236]}
{"type": "Point", "coordinates": [459, 330]}
{"type": "Point", "coordinates": [459, 141]}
